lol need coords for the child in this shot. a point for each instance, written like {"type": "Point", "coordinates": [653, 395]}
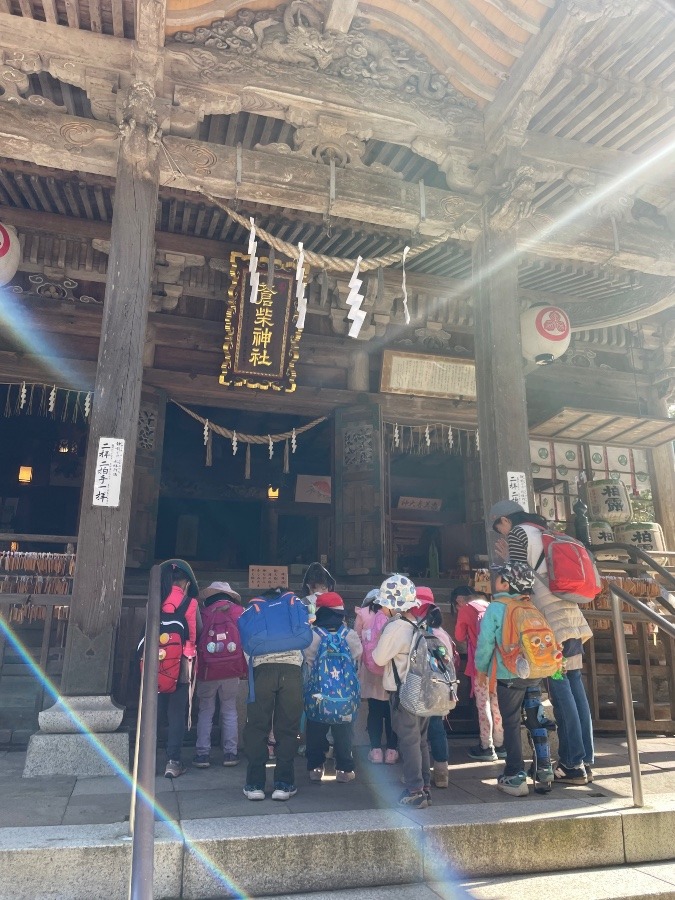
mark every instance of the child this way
{"type": "Point", "coordinates": [277, 680]}
{"type": "Point", "coordinates": [317, 581]}
{"type": "Point", "coordinates": [514, 582]}
{"type": "Point", "coordinates": [427, 613]}
{"type": "Point", "coordinates": [221, 666]}
{"type": "Point", "coordinates": [397, 599]}
{"type": "Point", "coordinates": [330, 616]}
{"type": "Point", "coordinates": [178, 582]}
{"type": "Point", "coordinates": [370, 620]}
{"type": "Point", "coordinates": [470, 608]}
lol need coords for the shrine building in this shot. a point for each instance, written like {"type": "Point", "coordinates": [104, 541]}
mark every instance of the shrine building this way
{"type": "Point", "coordinates": [322, 280]}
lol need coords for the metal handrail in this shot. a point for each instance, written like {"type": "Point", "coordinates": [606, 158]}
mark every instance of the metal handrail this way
{"type": "Point", "coordinates": [617, 594]}
{"type": "Point", "coordinates": [142, 817]}
{"type": "Point", "coordinates": [637, 553]}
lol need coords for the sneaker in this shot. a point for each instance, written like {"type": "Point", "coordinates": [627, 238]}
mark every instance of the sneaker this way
{"type": "Point", "coordinates": [254, 791]}
{"type": "Point", "coordinates": [501, 752]}
{"type": "Point", "coordinates": [283, 791]}
{"type": "Point", "coordinates": [565, 775]}
{"type": "Point", "coordinates": [589, 774]}
{"type": "Point", "coordinates": [376, 756]}
{"type": "Point", "coordinates": [414, 799]}
{"type": "Point", "coordinates": [316, 774]}
{"type": "Point", "coordinates": [201, 761]}
{"type": "Point", "coordinates": [344, 777]}
{"type": "Point", "coordinates": [515, 785]}
{"type": "Point", "coordinates": [391, 757]}
{"type": "Point", "coordinates": [230, 759]}
{"type": "Point", "coordinates": [174, 769]}
{"type": "Point", "coordinates": [484, 754]}
{"type": "Point", "coordinates": [427, 794]}
{"type": "Point", "coordinates": [543, 779]}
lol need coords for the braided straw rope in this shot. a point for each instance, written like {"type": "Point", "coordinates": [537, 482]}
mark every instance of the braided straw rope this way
{"type": "Point", "coordinates": [250, 438]}
{"type": "Point", "coordinates": [331, 263]}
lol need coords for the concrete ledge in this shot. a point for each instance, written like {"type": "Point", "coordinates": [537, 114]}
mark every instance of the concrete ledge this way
{"type": "Point", "coordinates": [497, 840]}
{"type": "Point", "coordinates": [648, 833]}
{"type": "Point", "coordinates": [76, 754]}
{"type": "Point", "coordinates": [81, 863]}
{"type": "Point", "coordinates": [313, 852]}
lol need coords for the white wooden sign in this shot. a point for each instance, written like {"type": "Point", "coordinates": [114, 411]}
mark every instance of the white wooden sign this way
{"type": "Point", "coordinates": [427, 376]}
{"type": "Point", "coordinates": [517, 483]}
{"type": "Point", "coordinates": [108, 477]}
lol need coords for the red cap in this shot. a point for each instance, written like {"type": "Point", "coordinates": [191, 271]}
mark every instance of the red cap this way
{"type": "Point", "coordinates": [425, 595]}
{"type": "Point", "coordinates": [331, 600]}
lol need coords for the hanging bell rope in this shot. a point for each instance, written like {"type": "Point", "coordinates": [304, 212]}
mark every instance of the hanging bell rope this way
{"type": "Point", "coordinates": [249, 438]}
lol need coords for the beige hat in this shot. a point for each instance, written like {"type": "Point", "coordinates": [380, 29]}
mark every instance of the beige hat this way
{"type": "Point", "coordinates": [219, 587]}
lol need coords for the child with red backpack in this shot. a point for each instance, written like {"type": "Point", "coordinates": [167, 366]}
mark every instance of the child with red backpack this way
{"type": "Point", "coordinates": [180, 613]}
{"type": "Point", "coordinates": [221, 666]}
{"type": "Point", "coordinates": [517, 647]}
{"type": "Point", "coordinates": [370, 620]}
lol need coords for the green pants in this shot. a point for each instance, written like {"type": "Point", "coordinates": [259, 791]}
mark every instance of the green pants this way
{"type": "Point", "coordinates": [278, 700]}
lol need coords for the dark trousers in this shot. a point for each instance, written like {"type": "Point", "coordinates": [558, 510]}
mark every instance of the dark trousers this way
{"type": "Point", "coordinates": [174, 707]}
{"type": "Point", "coordinates": [510, 695]}
{"type": "Point", "coordinates": [379, 714]}
{"type": "Point", "coordinates": [438, 739]}
{"type": "Point", "coordinates": [278, 696]}
{"type": "Point", "coordinates": [317, 745]}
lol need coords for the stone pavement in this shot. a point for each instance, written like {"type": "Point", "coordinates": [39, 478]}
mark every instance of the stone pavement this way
{"type": "Point", "coordinates": [217, 792]}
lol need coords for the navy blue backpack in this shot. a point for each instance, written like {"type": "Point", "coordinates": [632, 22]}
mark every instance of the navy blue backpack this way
{"type": "Point", "coordinates": [332, 690]}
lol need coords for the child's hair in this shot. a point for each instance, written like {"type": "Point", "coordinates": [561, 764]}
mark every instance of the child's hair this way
{"type": "Point", "coordinates": [464, 590]}
{"type": "Point", "coordinates": [522, 518]}
{"type": "Point", "coordinates": [171, 576]}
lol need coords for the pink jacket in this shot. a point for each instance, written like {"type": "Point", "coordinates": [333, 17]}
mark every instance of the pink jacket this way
{"type": "Point", "coordinates": [171, 604]}
{"type": "Point", "coordinates": [371, 684]}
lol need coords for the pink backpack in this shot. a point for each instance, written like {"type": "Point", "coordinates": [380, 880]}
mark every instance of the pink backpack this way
{"type": "Point", "coordinates": [369, 638]}
{"type": "Point", "coordinates": [219, 646]}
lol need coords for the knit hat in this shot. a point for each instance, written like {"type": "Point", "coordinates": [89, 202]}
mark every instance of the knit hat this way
{"type": "Point", "coordinates": [219, 587]}
{"type": "Point", "coordinates": [330, 600]}
{"type": "Point", "coordinates": [504, 508]}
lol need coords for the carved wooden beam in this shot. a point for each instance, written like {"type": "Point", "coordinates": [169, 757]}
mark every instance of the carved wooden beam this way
{"type": "Point", "coordinates": [340, 15]}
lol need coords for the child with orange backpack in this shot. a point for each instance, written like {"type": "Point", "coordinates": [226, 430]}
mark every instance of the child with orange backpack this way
{"type": "Point", "coordinates": [517, 647]}
{"type": "Point", "coordinates": [221, 666]}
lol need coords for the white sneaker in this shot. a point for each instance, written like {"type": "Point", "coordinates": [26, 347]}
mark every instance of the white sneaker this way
{"type": "Point", "coordinates": [254, 792]}
{"type": "Point", "coordinates": [284, 791]}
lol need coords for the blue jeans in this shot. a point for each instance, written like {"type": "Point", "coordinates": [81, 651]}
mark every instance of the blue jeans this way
{"type": "Point", "coordinates": [573, 716]}
{"type": "Point", "coordinates": [438, 740]}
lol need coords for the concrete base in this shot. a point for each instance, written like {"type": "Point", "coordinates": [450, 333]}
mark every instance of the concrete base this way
{"type": "Point", "coordinates": [70, 715]}
{"type": "Point", "coordinates": [77, 754]}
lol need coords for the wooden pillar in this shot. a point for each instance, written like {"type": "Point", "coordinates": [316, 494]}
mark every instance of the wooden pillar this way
{"type": "Point", "coordinates": [500, 380]}
{"type": "Point", "coordinates": [662, 477]}
{"type": "Point", "coordinates": [359, 496]}
{"type": "Point", "coordinates": [102, 540]}
{"type": "Point", "coordinates": [147, 477]}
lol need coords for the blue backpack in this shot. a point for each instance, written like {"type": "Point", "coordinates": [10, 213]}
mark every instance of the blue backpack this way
{"type": "Point", "coordinates": [332, 690]}
{"type": "Point", "coordinates": [273, 625]}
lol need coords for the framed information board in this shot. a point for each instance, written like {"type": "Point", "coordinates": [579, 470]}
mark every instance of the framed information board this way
{"type": "Point", "coordinates": [427, 376]}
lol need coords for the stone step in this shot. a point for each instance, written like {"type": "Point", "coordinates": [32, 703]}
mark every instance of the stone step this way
{"type": "Point", "coordinates": [265, 855]}
{"type": "Point", "coordinates": [653, 880]}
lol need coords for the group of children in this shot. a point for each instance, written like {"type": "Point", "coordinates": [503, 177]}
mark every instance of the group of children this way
{"type": "Point", "coordinates": [333, 667]}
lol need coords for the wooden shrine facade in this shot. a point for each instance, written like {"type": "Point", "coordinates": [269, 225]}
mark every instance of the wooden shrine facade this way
{"type": "Point", "coordinates": [526, 144]}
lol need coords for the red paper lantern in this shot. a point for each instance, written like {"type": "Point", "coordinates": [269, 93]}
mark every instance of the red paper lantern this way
{"type": "Point", "coordinates": [545, 334]}
{"type": "Point", "coordinates": [10, 253]}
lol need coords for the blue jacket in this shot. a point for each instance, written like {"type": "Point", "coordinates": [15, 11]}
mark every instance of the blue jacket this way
{"type": "Point", "coordinates": [489, 637]}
